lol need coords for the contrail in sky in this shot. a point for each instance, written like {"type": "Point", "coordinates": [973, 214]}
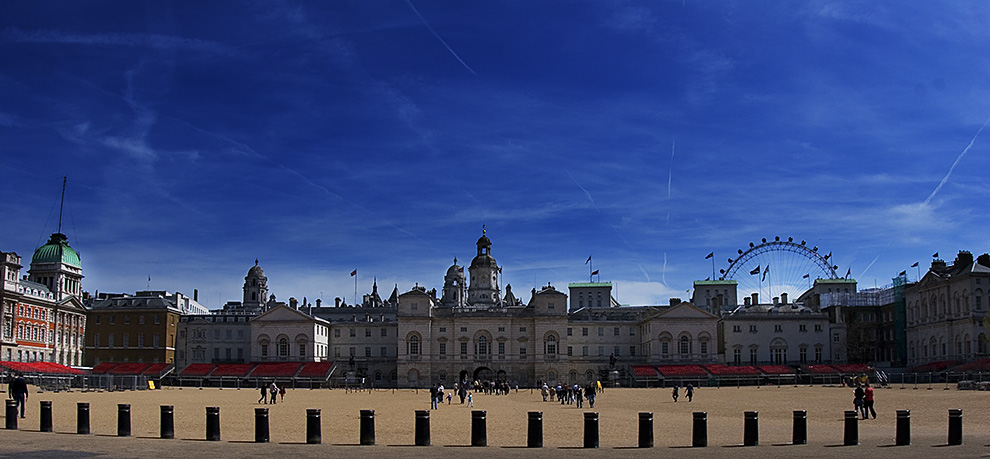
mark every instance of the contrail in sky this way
{"type": "Point", "coordinates": [868, 266]}
{"type": "Point", "coordinates": [644, 273]}
{"type": "Point", "coordinates": [663, 275]}
{"type": "Point", "coordinates": [435, 34]}
{"type": "Point", "coordinates": [582, 189]}
{"type": "Point", "coordinates": [670, 171]}
{"type": "Point", "coordinates": [946, 178]}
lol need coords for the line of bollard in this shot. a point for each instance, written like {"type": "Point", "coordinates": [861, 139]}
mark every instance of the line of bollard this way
{"type": "Point", "coordinates": [314, 427]}
{"type": "Point", "coordinates": [11, 415]}
{"type": "Point", "coordinates": [800, 434]}
{"type": "Point", "coordinates": [699, 436]}
{"type": "Point", "coordinates": [903, 437]}
{"type": "Point", "coordinates": [851, 433]}
{"type": "Point", "coordinates": [751, 428]}
{"type": "Point", "coordinates": [591, 430]}
{"type": "Point", "coordinates": [479, 428]}
{"type": "Point", "coordinates": [261, 425]}
{"type": "Point", "coordinates": [422, 428]}
{"type": "Point", "coordinates": [367, 427]}
{"type": "Point", "coordinates": [534, 439]}
{"type": "Point", "coordinates": [82, 418]}
{"type": "Point", "coordinates": [167, 422]}
{"type": "Point", "coordinates": [955, 427]}
{"type": "Point", "coordinates": [123, 420]}
{"type": "Point", "coordinates": [646, 429]}
{"type": "Point", "coordinates": [46, 416]}
{"type": "Point", "coordinates": [213, 423]}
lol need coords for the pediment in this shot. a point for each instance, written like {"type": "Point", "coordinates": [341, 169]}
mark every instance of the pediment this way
{"type": "Point", "coordinates": [685, 311]}
{"type": "Point", "coordinates": [282, 314]}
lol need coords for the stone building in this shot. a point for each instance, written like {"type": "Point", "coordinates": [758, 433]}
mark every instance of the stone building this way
{"type": "Point", "coordinates": [947, 310]}
{"type": "Point", "coordinates": [42, 313]}
{"type": "Point", "coordinates": [136, 328]}
{"type": "Point", "coordinates": [778, 333]}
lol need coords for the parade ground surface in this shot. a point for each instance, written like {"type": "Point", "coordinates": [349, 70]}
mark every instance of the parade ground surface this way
{"type": "Point", "coordinates": [563, 425]}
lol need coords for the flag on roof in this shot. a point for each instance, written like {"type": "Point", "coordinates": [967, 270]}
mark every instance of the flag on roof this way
{"type": "Point", "coordinates": [915, 265]}
{"type": "Point", "coordinates": [594, 273]}
{"type": "Point", "coordinates": [765, 271]}
{"type": "Point", "coordinates": [935, 255]}
{"type": "Point", "coordinates": [589, 260]}
{"type": "Point", "coordinates": [354, 273]}
{"type": "Point", "coordinates": [710, 255]}
{"type": "Point", "coordinates": [848, 271]}
{"type": "Point", "coordinates": [755, 271]}
{"type": "Point", "coordinates": [903, 273]}
{"type": "Point", "coordinates": [829, 255]}
{"type": "Point", "coordinates": [806, 276]}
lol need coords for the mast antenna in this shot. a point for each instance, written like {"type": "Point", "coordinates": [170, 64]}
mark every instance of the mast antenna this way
{"type": "Point", "coordinates": [61, 204]}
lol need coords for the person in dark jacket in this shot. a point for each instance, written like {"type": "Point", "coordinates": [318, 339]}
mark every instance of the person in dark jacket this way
{"type": "Point", "coordinates": [18, 391]}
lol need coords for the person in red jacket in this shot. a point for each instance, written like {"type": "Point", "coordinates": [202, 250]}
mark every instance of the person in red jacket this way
{"type": "Point", "coordinates": [868, 401]}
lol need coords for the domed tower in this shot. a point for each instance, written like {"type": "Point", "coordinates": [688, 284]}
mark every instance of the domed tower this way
{"type": "Point", "coordinates": [255, 289]}
{"type": "Point", "coordinates": [57, 266]}
{"type": "Point", "coordinates": [484, 271]}
{"type": "Point", "coordinates": [454, 287]}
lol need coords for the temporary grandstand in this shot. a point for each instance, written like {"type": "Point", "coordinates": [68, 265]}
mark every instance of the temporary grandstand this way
{"type": "Point", "coordinates": [127, 375]}
{"type": "Point", "coordinates": [46, 375]}
{"type": "Point", "coordinates": [256, 374]}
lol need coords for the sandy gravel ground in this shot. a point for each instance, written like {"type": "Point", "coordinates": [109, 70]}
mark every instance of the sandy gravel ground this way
{"type": "Point", "coordinates": [506, 423]}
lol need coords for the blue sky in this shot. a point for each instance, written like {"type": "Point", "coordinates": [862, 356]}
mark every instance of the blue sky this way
{"type": "Point", "coordinates": [323, 137]}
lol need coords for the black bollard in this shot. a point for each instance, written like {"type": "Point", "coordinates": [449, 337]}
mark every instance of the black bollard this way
{"type": "Point", "coordinates": [646, 429]}
{"type": "Point", "coordinates": [314, 434]}
{"type": "Point", "coordinates": [903, 428]}
{"type": "Point", "coordinates": [479, 428]}
{"type": "Point", "coordinates": [955, 427]}
{"type": "Point", "coordinates": [422, 427]}
{"type": "Point", "coordinates": [82, 418]}
{"type": "Point", "coordinates": [167, 422]}
{"type": "Point", "coordinates": [213, 423]}
{"type": "Point", "coordinates": [699, 438]}
{"type": "Point", "coordinates": [851, 433]}
{"type": "Point", "coordinates": [123, 420]}
{"type": "Point", "coordinates": [367, 427]}
{"type": "Point", "coordinates": [11, 414]}
{"type": "Point", "coordinates": [46, 416]}
{"type": "Point", "coordinates": [261, 425]}
{"type": "Point", "coordinates": [751, 428]}
{"type": "Point", "coordinates": [535, 437]}
{"type": "Point", "coordinates": [800, 435]}
{"type": "Point", "coordinates": [591, 430]}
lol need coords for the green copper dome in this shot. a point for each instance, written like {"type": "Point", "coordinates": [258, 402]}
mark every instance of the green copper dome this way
{"type": "Point", "coordinates": [49, 253]}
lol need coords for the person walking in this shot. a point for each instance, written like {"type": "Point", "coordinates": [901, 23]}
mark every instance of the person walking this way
{"type": "Point", "coordinates": [470, 401]}
{"type": "Point", "coordinates": [868, 401]}
{"type": "Point", "coordinates": [690, 392]}
{"type": "Point", "coordinates": [281, 393]}
{"type": "Point", "coordinates": [274, 392]}
{"type": "Point", "coordinates": [675, 393]}
{"type": "Point", "coordinates": [858, 395]}
{"type": "Point", "coordinates": [578, 396]}
{"type": "Point", "coordinates": [17, 390]}
{"type": "Point", "coordinates": [264, 395]}
{"type": "Point", "coordinates": [433, 397]}
{"type": "Point", "coordinates": [590, 393]}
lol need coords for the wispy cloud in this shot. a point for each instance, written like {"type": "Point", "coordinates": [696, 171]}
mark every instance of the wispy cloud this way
{"type": "Point", "coordinates": [148, 40]}
{"type": "Point", "coordinates": [435, 34]}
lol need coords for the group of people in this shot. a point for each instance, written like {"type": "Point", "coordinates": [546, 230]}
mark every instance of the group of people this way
{"type": "Point", "coordinates": [570, 395]}
{"type": "Point", "coordinates": [863, 400]}
{"type": "Point", "coordinates": [438, 393]}
{"type": "Point", "coordinates": [688, 392]}
{"type": "Point", "coordinates": [275, 392]}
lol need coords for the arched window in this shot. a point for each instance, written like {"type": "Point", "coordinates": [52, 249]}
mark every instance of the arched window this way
{"type": "Point", "coordinates": [685, 347]}
{"type": "Point", "coordinates": [483, 348]}
{"type": "Point", "coordinates": [414, 345]}
{"type": "Point", "coordinates": [551, 376]}
{"type": "Point", "coordinates": [283, 348]}
{"type": "Point", "coordinates": [550, 346]}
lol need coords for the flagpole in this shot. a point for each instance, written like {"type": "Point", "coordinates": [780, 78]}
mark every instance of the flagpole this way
{"type": "Point", "coordinates": [713, 265]}
{"type": "Point", "coordinates": [355, 287]}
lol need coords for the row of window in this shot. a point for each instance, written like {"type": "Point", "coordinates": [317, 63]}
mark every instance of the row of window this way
{"type": "Point", "coordinates": [125, 340]}
{"type": "Point", "coordinates": [352, 332]}
{"type": "Point", "coordinates": [778, 355]}
{"type": "Point", "coordinates": [601, 331]}
{"type": "Point", "coordinates": [127, 319]}
{"type": "Point", "coordinates": [778, 328]}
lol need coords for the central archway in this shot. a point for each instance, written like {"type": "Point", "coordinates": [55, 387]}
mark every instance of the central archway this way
{"type": "Point", "coordinates": [483, 374]}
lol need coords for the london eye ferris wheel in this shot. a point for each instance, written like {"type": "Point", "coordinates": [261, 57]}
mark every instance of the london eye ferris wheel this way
{"type": "Point", "coordinates": [778, 266]}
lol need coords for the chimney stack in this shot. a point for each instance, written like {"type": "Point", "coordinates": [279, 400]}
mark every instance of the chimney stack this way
{"type": "Point", "coordinates": [196, 295]}
{"type": "Point", "coordinates": [756, 299]}
{"type": "Point", "coordinates": [776, 300]}
{"type": "Point", "coordinates": [783, 297]}
{"type": "Point", "coordinates": [746, 301]}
